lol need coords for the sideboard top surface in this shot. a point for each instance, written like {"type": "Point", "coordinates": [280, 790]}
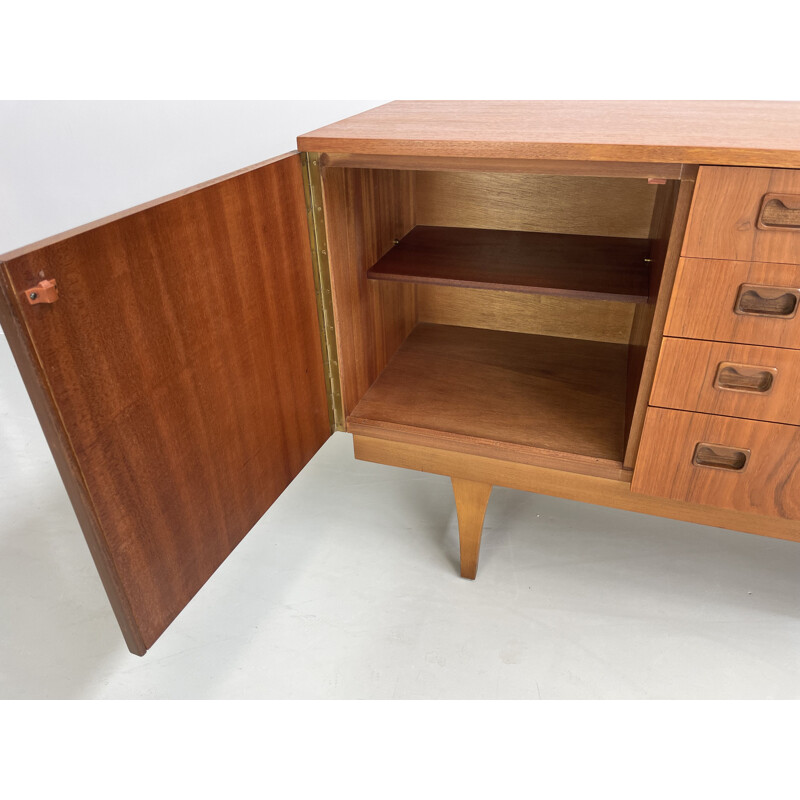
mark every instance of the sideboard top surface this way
{"type": "Point", "coordinates": [748, 133]}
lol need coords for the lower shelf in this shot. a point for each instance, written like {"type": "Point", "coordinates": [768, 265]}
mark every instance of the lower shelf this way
{"type": "Point", "coordinates": [535, 399]}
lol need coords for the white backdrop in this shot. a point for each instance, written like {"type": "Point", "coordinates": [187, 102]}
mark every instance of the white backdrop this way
{"type": "Point", "coordinates": [64, 164]}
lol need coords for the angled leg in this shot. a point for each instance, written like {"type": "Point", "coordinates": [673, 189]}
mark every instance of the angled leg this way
{"type": "Point", "coordinates": [471, 501]}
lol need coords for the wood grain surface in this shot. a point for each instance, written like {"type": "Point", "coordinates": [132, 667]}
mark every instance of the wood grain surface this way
{"type": "Point", "coordinates": [770, 483]}
{"type": "Point", "coordinates": [659, 234]}
{"type": "Point", "coordinates": [687, 379]}
{"type": "Point", "coordinates": [725, 211]}
{"type": "Point", "coordinates": [548, 315]}
{"type": "Point", "coordinates": [471, 501]}
{"type": "Point", "coordinates": [365, 211]}
{"type": "Point", "coordinates": [592, 267]}
{"type": "Point", "coordinates": [526, 397]}
{"type": "Point", "coordinates": [705, 296]}
{"type": "Point", "coordinates": [560, 483]}
{"type": "Point", "coordinates": [602, 169]}
{"type": "Point", "coordinates": [694, 132]}
{"type": "Point", "coordinates": [668, 226]}
{"type": "Point", "coordinates": [178, 378]}
{"type": "Point", "coordinates": [780, 212]}
{"type": "Point", "coordinates": [588, 206]}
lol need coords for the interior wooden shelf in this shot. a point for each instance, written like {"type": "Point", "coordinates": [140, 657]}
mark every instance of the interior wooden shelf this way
{"type": "Point", "coordinates": [537, 399]}
{"type": "Point", "coordinates": [594, 267]}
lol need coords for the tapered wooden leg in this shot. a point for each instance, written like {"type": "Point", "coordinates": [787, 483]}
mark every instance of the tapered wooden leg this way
{"type": "Point", "coordinates": [472, 498]}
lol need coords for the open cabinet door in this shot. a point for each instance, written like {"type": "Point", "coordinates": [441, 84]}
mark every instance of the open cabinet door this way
{"type": "Point", "coordinates": [178, 377]}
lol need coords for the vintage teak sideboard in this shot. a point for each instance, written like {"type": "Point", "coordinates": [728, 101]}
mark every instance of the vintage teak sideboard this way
{"type": "Point", "coordinates": [594, 300]}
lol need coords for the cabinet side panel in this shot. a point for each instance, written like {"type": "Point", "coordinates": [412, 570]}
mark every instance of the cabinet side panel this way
{"type": "Point", "coordinates": [669, 225]}
{"type": "Point", "coordinates": [661, 225]}
{"type": "Point", "coordinates": [365, 211]}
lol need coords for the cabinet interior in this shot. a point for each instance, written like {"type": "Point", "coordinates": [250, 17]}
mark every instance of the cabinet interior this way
{"type": "Point", "coordinates": [496, 313]}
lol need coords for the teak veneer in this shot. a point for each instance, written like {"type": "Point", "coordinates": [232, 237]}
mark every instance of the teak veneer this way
{"type": "Point", "coordinates": [733, 380]}
{"type": "Point", "coordinates": [593, 267]}
{"type": "Point", "coordinates": [151, 358]}
{"type": "Point", "coordinates": [745, 133]}
{"type": "Point", "coordinates": [593, 300]}
{"type": "Point", "coordinates": [538, 399]}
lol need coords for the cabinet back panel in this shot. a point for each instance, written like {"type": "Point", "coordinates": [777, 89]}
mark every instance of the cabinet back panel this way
{"type": "Point", "coordinates": [550, 203]}
{"type": "Point", "coordinates": [365, 211]}
{"type": "Point", "coordinates": [570, 318]}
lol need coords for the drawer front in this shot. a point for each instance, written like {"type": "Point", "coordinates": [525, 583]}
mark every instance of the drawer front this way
{"type": "Point", "coordinates": [732, 380]}
{"type": "Point", "coordinates": [720, 461]}
{"type": "Point", "coordinates": [745, 214]}
{"type": "Point", "coordinates": [736, 301]}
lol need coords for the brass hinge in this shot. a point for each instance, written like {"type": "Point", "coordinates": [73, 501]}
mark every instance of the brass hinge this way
{"type": "Point", "coordinates": [312, 183]}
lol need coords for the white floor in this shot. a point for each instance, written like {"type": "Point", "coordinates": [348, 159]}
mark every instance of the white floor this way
{"type": "Point", "coordinates": [348, 588]}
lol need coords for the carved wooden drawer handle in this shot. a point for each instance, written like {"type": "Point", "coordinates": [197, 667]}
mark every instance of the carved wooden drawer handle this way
{"type": "Point", "coordinates": [744, 378]}
{"type": "Point", "coordinates": [720, 456]}
{"type": "Point", "coordinates": [780, 212]}
{"type": "Point", "coordinates": [767, 301]}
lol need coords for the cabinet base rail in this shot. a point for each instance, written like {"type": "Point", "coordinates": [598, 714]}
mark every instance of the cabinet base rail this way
{"type": "Point", "coordinates": [469, 471]}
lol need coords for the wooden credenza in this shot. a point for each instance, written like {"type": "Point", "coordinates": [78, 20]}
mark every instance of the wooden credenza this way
{"type": "Point", "coordinates": [596, 301]}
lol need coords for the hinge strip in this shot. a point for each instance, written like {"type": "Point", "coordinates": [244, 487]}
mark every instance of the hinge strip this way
{"type": "Point", "coordinates": [312, 184]}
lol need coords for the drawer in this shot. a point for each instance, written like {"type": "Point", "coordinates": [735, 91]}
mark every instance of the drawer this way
{"type": "Point", "coordinates": [745, 214]}
{"type": "Point", "coordinates": [736, 301]}
{"type": "Point", "coordinates": [733, 380]}
{"type": "Point", "coordinates": [720, 461]}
